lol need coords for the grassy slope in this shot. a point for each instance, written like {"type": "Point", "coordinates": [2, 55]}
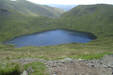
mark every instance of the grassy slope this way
{"type": "Point", "coordinates": [16, 68]}
{"type": "Point", "coordinates": [22, 17]}
{"type": "Point", "coordinates": [39, 68]}
{"type": "Point", "coordinates": [28, 8]}
{"type": "Point", "coordinates": [90, 18]}
{"type": "Point", "coordinates": [13, 26]}
{"type": "Point", "coordinates": [9, 69]}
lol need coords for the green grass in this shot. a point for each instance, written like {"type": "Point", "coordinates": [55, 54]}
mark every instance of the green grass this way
{"type": "Point", "coordinates": [38, 68]}
{"type": "Point", "coordinates": [9, 69]}
{"type": "Point", "coordinates": [91, 50]}
{"type": "Point", "coordinates": [16, 69]}
{"type": "Point", "coordinates": [91, 56]}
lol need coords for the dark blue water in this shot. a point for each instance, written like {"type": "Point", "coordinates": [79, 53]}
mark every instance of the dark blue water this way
{"type": "Point", "coordinates": [53, 37]}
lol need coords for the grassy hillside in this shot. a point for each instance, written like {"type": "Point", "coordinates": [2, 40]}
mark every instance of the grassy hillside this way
{"type": "Point", "coordinates": [90, 18]}
{"type": "Point", "coordinates": [22, 17]}
{"type": "Point", "coordinates": [28, 8]}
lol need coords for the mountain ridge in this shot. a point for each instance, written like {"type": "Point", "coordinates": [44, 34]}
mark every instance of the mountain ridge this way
{"type": "Point", "coordinates": [29, 8]}
{"type": "Point", "coordinates": [22, 17]}
{"type": "Point", "coordinates": [64, 7]}
{"type": "Point", "coordinates": [90, 18]}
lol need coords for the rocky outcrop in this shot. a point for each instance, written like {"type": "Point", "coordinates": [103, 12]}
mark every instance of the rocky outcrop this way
{"type": "Point", "coordinates": [70, 66]}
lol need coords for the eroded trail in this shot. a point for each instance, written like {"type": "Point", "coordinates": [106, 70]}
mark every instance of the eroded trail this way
{"type": "Point", "coordinates": [68, 66]}
{"type": "Point", "coordinates": [78, 68]}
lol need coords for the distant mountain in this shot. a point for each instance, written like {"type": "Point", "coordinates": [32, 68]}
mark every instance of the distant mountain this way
{"type": "Point", "coordinates": [27, 8]}
{"type": "Point", "coordinates": [64, 7]}
{"type": "Point", "coordinates": [97, 19]}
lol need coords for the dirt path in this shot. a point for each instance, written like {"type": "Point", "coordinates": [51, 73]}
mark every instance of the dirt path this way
{"type": "Point", "coordinates": [77, 68]}
{"type": "Point", "coordinates": [70, 66]}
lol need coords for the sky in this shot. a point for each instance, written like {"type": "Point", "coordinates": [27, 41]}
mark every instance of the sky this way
{"type": "Point", "coordinates": [70, 2]}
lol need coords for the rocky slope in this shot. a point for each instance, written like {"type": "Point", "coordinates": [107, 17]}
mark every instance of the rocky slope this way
{"type": "Point", "coordinates": [68, 66]}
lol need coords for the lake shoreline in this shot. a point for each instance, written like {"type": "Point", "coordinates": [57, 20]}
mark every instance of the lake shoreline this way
{"type": "Point", "coordinates": [52, 37]}
{"type": "Point", "coordinates": [95, 37]}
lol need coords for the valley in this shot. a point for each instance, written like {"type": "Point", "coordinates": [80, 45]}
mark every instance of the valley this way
{"type": "Point", "coordinates": [20, 18]}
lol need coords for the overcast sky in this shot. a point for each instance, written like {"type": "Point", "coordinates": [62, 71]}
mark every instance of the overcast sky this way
{"type": "Point", "coordinates": [72, 1]}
